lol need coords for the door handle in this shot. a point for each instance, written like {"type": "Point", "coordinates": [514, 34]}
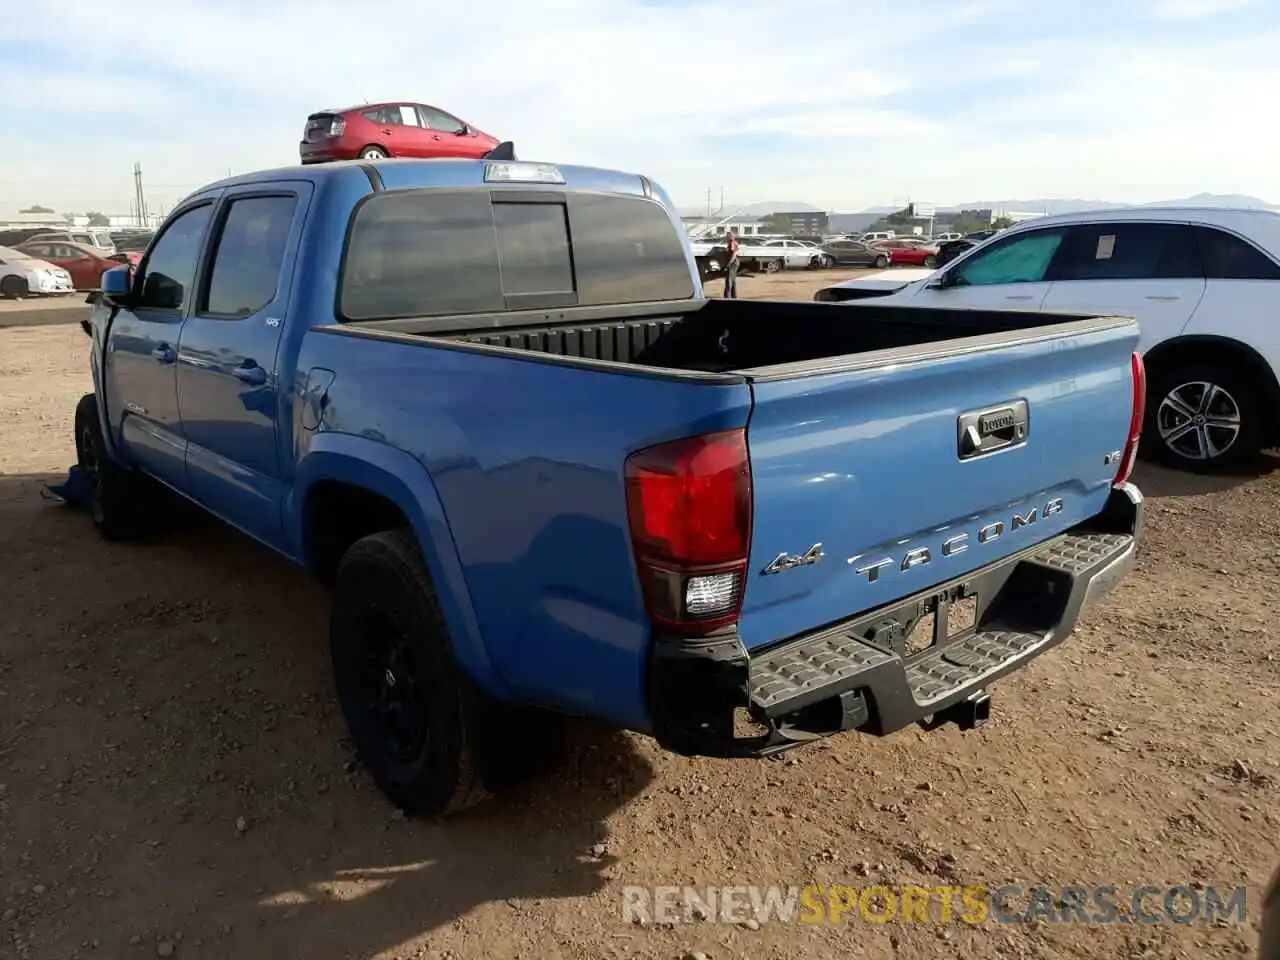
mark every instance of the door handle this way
{"type": "Point", "coordinates": [435, 136]}
{"type": "Point", "coordinates": [386, 131]}
{"type": "Point", "coordinates": [250, 374]}
{"type": "Point", "coordinates": [1019, 296]}
{"type": "Point", "coordinates": [1164, 296]}
{"type": "Point", "coordinates": [164, 353]}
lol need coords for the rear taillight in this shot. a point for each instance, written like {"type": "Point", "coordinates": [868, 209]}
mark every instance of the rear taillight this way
{"type": "Point", "coordinates": [1130, 455]}
{"type": "Point", "coordinates": [337, 126]}
{"type": "Point", "coordinates": [689, 509]}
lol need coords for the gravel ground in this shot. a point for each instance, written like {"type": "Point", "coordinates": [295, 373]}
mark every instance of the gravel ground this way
{"type": "Point", "coordinates": [175, 781]}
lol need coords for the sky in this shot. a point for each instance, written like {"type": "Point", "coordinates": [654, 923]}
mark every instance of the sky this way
{"type": "Point", "coordinates": [840, 103]}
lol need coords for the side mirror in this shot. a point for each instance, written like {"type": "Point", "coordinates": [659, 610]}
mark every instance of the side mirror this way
{"type": "Point", "coordinates": [117, 283]}
{"type": "Point", "coordinates": [940, 282]}
{"type": "Point", "coordinates": [464, 132]}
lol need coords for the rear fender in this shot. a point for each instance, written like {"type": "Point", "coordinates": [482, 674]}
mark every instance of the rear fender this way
{"type": "Point", "coordinates": [401, 479]}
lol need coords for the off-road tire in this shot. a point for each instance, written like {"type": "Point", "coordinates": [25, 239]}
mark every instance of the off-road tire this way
{"type": "Point", "coordinates": [1246, 395]}
{"type": "Point", "coordinates": [473, 745]}
{"type": "Point", "coordinates": [117, 498]}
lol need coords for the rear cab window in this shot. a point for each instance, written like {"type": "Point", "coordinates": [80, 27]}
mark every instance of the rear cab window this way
{"type": "Point", "coordinates": [434, 252]}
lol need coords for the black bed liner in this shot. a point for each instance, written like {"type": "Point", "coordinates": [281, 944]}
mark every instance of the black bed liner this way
{"type": "Point", "coordinates": [734, 340]}
{"type": "Point", "coordinates": [723, 335]}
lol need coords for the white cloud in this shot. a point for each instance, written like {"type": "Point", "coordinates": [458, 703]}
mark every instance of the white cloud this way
{"type": "Point", "coordinates": [861, 93]}
{"type": "Point", "coordinates": [1198, 9]}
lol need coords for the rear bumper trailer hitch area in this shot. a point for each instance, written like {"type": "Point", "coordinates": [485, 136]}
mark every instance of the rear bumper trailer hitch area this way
{"type": "Point", "coordinates": [969, 714]}
{"type": "Point", "coordinates": [711, 697]}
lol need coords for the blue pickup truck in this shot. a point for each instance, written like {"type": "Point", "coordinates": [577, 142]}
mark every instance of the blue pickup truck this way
{"type": "Point", "coordinates": [543, 474]}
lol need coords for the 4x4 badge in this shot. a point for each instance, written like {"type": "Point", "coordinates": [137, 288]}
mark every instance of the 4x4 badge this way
{"type": "Point", "coordinates": [785, 561]}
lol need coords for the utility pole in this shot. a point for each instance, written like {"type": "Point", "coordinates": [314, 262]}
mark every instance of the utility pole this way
{"type": "Point", "coordinates": [140, 198]}
{"type": "Point", "coordinates": [721, 210]}
{"type": "Point", "coordinates": [708, 202]}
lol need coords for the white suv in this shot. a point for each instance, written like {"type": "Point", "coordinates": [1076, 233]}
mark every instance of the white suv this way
{"type": "Point", "coordinates": [1204, 285]}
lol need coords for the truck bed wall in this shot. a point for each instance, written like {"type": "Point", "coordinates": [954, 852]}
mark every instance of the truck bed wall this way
{"type": "Point", "coordinates": [525, 460]}
{"type": "Point", "coordinates": [723, 335]}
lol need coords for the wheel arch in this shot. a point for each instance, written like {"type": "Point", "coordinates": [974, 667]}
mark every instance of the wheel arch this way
{"type": "Point", "coordinates": [343, 471]}
{"type": "Point", "coordinates": [1208, 348]}
{"type": "Point", "coordinates": [16, 281]}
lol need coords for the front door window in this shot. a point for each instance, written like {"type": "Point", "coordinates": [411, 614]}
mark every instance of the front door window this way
{"type": "Point", "coordinates": [1023, 259]}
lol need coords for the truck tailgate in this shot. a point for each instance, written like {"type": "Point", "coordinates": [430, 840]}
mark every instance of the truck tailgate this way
{"type": "Point", "coordinates": [872, 466]}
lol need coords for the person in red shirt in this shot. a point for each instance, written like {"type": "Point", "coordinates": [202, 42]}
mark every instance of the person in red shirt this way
{"type": "Point", "coordinates": [731, 264]}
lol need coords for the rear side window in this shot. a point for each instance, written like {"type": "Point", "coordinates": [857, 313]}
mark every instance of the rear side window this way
{"type": "Point", "coordinates": [249, 257]}
{"type": "Point", "coordinates": [1128, 251]}
{"type": "Point", "coordinates": [438, 252]}
{"type": "Point", "coordinates": [1226, 257]}
{"type": "Point", "coordinates": [403, 115]}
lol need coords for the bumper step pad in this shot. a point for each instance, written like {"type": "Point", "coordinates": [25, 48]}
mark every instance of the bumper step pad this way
{"type": "Point", "coordinates": [825, 664]}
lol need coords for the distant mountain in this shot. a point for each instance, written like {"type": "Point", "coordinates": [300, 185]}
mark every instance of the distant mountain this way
{"type": "Point", "coordinates": [762, 209]}
{"type": "Point", "coordinates": [1218, 200]}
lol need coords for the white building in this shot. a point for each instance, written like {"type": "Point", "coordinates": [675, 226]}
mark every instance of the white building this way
{"type": "Point", "coordinates": [60, 221]}
{"type": "Point", "coordinates": [33, 221]}
{"type": "Point", "coordinates": [744, 224]}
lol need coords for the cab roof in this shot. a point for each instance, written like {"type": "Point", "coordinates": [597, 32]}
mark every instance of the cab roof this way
{"type": "Point", "coordinates": [408, 174]}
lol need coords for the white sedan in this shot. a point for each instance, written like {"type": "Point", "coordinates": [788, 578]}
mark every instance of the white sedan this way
{"type": "Point", "coordinates": [22, 275]}
{"type": "Point", "coordinates": [797, 254]}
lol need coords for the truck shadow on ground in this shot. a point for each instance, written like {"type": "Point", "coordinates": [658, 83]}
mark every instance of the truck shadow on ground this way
{"type": "Point", "coordinates": [1156, 481]}
{"type": "Point", "coordinates": [174, 764]}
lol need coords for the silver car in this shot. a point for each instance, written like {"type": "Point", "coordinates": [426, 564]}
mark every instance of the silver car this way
{"type": "Point", "coordinates": [24, 276]}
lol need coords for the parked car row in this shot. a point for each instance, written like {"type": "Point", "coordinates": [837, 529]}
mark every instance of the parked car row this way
{"type": "Point", "coordinates": [22, 275]}
{"type": "Point", "coordinates": [55, 267]}
{"type": "Point", "coordinates": [877, 250]}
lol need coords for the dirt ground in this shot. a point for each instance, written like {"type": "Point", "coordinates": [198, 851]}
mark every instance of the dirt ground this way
{"type": "Point", "coordinates": [42, 311]}
{"type": "Point", "coordinates": [175, 781]}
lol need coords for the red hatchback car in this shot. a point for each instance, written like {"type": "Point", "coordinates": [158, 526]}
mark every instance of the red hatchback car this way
{"type": "Point", "coordinates": [376, 131]}
{"type": "Point", "coordinates": [86, 264]}
{"type": "Point", "coordinates": [910, 253]}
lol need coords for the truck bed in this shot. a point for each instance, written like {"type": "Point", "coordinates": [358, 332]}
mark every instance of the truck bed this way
{"type": "Point", "coordinates": [743, 335]}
